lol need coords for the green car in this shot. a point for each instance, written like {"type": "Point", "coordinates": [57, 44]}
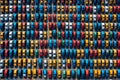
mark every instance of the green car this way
{"type": "Point", "coordinates": [64, 74]}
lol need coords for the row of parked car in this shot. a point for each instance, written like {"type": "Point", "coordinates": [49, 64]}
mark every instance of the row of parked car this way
{"type": "Point", "coordinates": [60, 53]}
{"type": "Point", "coordinates": [58, 63]}
{"type": "Point", "coordinates": [60, 74]}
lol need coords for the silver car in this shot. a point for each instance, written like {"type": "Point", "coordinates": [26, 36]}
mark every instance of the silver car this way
{"type": "Point", "coordinates": [1, 73]}
{"type": "Point", "coordinates": [1, 63]}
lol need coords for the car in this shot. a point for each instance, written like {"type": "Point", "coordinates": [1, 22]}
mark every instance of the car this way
{"type": "Point", "coordinates": [95, 73]}
{"type": "Point", "coordinates": [68, 63]}
{"type": "Point", "coordinates": [15, 73]}
{"type": "Point", "coordinates": [32, 53]}
{"type": "Point", "coordinates": [20, 73]}
{"type": "Point", "coordinates": [2, 63]}
{"type": "Point", "coordinates": [45, 63]}
{"type": "Point", "coordinates": [54, 54]}
{"type": "Point", "coordinates": [78, 63]}
{"type": "Point", "coordinates": [59, 74]}
{"type": "Point", "coordinates": [40, 73]}
{"type": "Point", "coordinates": [6, 73]}
{"type": "Point", "coordinates": [82, 73]}
{"type": "Point", "coordinates": [45, 73]}
{"type": "Point", "coordinates": [50, 74]}
{"type": "Point", "coordinates": [50, 53]}
{"type": "Point", "coordinates": [54, 73]}
{"type": "Point", "coordinates": [64, 63]}
{"type": "Point", "coordinates": [111, 73]}
{"type": "Point", "coordinates": [24, 62]}
{"type": "Point", "coordinates": [40, 62]}
{"type": "Point", "coordinates": [19, 62]}
{"type": "Point", "coordinates": [10, 73]}
{"type": "Point", "coordinates": [73, 74]}
{"type": "Point", "coordinates": [1, 73]}
{"type": "Point", "coordinates": [25, 73]}
{"type": "Point", "coordinates": [34, 63]}
{"type": "Point", "coordinates": [99, 73]}
{"type": "Point", "coordinates": [78, 73]}
{"type": "Point", "coordinates": [50, 63]}
{"type": "Point", "coordinates": [6, 63]}
{"type": "Point", "coordinates": [64, 74]}
{"type": "Point", "coordinates": [29, 63]}
{"type": "Point", "coordinates": [15, 62]}
{"type": "Point", "coordinates": [34, 73]}
{"type": "Point", "coordinates": [11, 63]}
{"type": "Point", "coordinates": [54, 63]}
{"type": "Point", "coordinates": [29, 73]}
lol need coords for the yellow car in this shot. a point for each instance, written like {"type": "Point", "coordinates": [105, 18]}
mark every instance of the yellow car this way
{"type": "Point", "coordinates": [19, 28]}
{"type": "Point", "coordinates": [99, 62]}
{"type": "Point", "coordinates": [6, 62]}
{"type": "Point", "coordinates": [32, 44]}
{"type": "Point", "coordinates": [107, 62]}
{"type": "Point", "coordinates": [36, 43]}
{"type": "Point", "coordinates": [19, 17]}
{"type": "Point", "coordinates": [19, 43]}
{"type": "Point", "coordinates": [115, 63]}
{"type": "Point", "coordinates": [103, 63]}
{"type": "Point", "coordinates": [78, 53]}
{"type": "Point", "coordinates": [15, 73]}
{"type": "Point", "coordinates": [45, 34]}
{"type": "Point", "coordinates": [19, 62]}
{"type": "Point", "coordinates": [59, 74]}
{"type": "Point", "coordinates": [32, 17]}
{"type": "Point", "coordinates": [95, 73]}
{"type": "Point", "coordinates": [99, 35]}
{"type": "Point", "coordinates": [111, 73]}
{"type": "Point", "coordinates": [34, 73]}
{"type": "Point", "coordinates": [23, 34]}
{"type": "Point", "coordinates": [68, 62]}
{"type": "Point", "coordinates": [99, 73]}
{"type": "Point", "coordinates": [6, 9]}
{"type": "Point", "coordinates": [24, 62]}
{"type": "Point", "coordinates": [95, 63]}
{"type": "Point", "coordinates": [29, 73]}
{"type": "Point", "coordinates": [24, 52]}
{"type": "Point", "coordinates": [32, 52]}
{"type": "Point", "coordinates": [59, 53]}
{"type": "Point", "coordinates": [68, 74]}
{"type": "Point", "coordinates": [19, 52]}
{"type": "Point", "coordinates": [86, 43]}
{"type": "Point", "coordinates": [115, 73]}
{"type": "Point", "coordinates": [1, 35]}
{"type": "Point", "coordinates": [59, 63]}
{"type": "Point", "coordinates": [115, 52]}
{"type": "Point", "coordinates": [86, 34]}
{"type": "Point", "coordinates": [82, 53]}
{"type": "Point", "coordinates": [50, 63]}
{"type": "Point", "coordinates": [34, 63]}
{"type": "Point", "coordinates": [15, 62]}
{"type": "Point", "coordinates": [54, 63]}
{"type": "Point", "coordinates": [78, 62]}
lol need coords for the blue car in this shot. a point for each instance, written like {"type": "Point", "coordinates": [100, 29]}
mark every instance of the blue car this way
{"type": "Point", "coordinates": [40, 63]}
{"type": "Point", "coordinates": [45, 73]}
{"type": "Point", "coordinates": [20, 73]}
{"type": "Point", "coordinates": [73, 74]}
{"type": "Point", "coordinates": [55, 74]}
{"type": "Point", "coordinates": [24, 73]}
{"type": "Point", "coordinates": [10, 62]}
{"type": "Point", "coordinates": [10, 73]}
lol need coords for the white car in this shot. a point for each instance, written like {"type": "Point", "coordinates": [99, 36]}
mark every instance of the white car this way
{"type": "Point", "coordinates": [10, 35]}
{"type": "Point", "coordinates": [27, 8]}
{"type": "Point", "coordinates": [66, 25]}
{"type": "Point", "coordinates": [1, 63]}
{"type": "Point", "coordinates": [103, 26]}
{"type": "Point", "coordinates": [10, 26]}
{"type": "Point", "coordinates": [10, 8]}
{"type": "Point", "coordinates": [94, 17]}
{"type": "Point", "coordinates": [19, 1]}
{"type": "Point", "coordinates": [28, 25]}
{"type": "Point", "coordinates": [10, 17]}
{"type": "Point", "coordinates": [45, 63]}
{"type": "Point", "coordinates": [10, 1]}
{"type": "Point", "coordinates": [94, 9]}
{"type": "Point", "coordinates": [54, 53]}
{"type": "Point", "coordinates": [50, 53]}
{"type": "Point", "coordinates": [64, 63]}
{"type": "Point", "coordinates": [111, 63]}
{"type": "Point", "coordinates": [1, 17]}
{"type": "Point", "coordinates": [40, 34]}
{"type": "Point", "coordinates": [1, 73]}
{"type": "Point", "coordinates": [6, 18]}
{"type": "Point", "coordinates": [11, 43]}
{"type": "Point", "coordinates": [106, 9]}
{"type": "Point", "coordinates": [6, 26]}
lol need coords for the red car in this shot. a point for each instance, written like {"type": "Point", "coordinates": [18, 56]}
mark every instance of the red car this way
{"type": "Point", "coordinates": [87, 73]}
{"type": "Point", "coordinates": [6, 43]}
{"type": "Point", "coordinates": [6, 73]}
{"type": "Point", "coordinates": [50, 74]}
{"type": "Point", "coordinates": [45, 52]}
{"type": "Point", "coordinates": [40, 73]}
{"type": "Point", "coordinates": [6, 53]}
